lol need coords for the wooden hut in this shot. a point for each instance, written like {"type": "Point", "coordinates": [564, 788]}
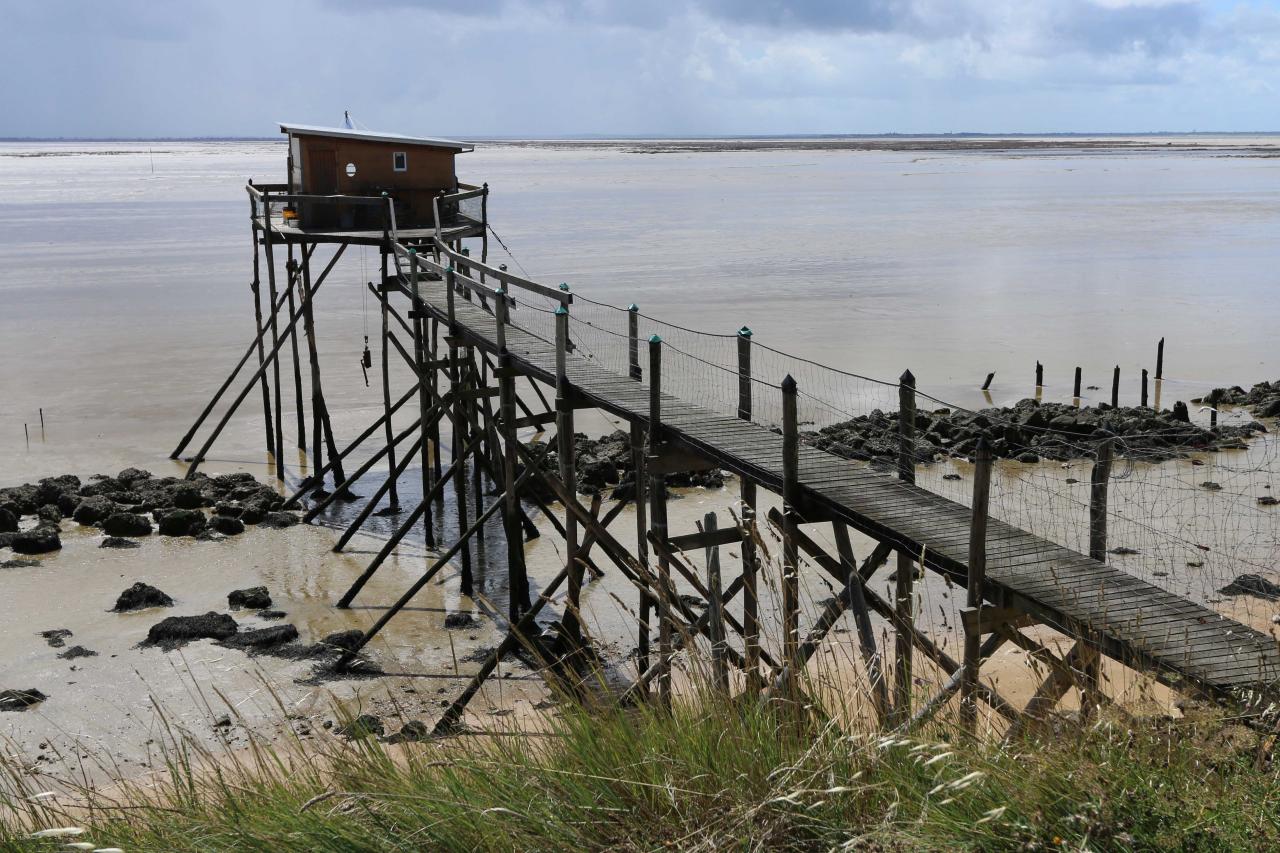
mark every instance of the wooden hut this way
{"type": "Point", "coordinates": [344, 161]}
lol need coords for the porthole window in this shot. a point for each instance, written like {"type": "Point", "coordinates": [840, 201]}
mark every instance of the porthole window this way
{"type": "Point", "coordinates": [351, 170]}
{"type": "Point", "coordinates": [400, 161]}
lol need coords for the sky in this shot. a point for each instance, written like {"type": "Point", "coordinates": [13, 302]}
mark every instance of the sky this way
{"type": "Point", "coordinates": [546, 68]}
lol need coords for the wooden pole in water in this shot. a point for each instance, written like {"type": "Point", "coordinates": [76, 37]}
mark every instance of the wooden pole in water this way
{"type": "Point", "coordinates": [750, 560]}
{"type": "Point", "coordinates": [1144, 388]}
{"type": "Point", "coordinates": [904, 586]}
{"type": "Point", "coordinates": [426, 399]}
{"type": "Point", "coordinates": [1039, 375]}
{"type": "Point", "coordinates": [459, 432]}
{"type": "Point", "coordinates": [987, 384]}
{"type": "Point", "coordinates": [658, 518]}
{"type": "Point", "coordinates": [257, 322]}
{"type": "Point", "coordinates": [1076, 389]}
{"type": "Point", "coordinates": [715, 604]}
{"type": "Point", "coordinates": [1160, 359]}
{"type": "Point", "coordinates": [976, 581]}
{"type": "Point", "coordinates": [1115, 388]}
{"type": "Point", "coordinates": [517, 574]}
{"type": "Point", "coordinates": [291, 265]}
{"type": "Point", "coordinates": [568, 474]}
{"type": "Point", "coordinates": [383, 296]}
{"type": "Point", "coordinates": [791, 520]}
{"type": "Point", "coordinates": [275, 333]}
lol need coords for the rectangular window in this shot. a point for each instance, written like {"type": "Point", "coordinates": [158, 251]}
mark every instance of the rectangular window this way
{"type": "Point", "coordinates": [400, 161]}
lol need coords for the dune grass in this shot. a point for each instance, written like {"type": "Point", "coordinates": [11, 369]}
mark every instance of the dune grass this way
{"type": "Point", "coordinates": [710, 775]}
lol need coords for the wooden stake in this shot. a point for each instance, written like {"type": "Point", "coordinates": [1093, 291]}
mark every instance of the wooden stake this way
{"type": "Point", "coordinates": [568, 475]}
{"type": "Point", "coordinates": [633, 342]}
{"type": "Point", "coordinates": [1098, 481]}
{"type": "Point", "coordinates": [1115, 388]}
{"type": "Point", "coordinates": [640, 500]}
{"type": "Point", "coordinates": [1039, 375]}
{"type": "Point", "coordinates": [1144, 388]}
{"type": "Point", "coordinates": [986, 385]}
{"type": "Point", "coordinates": [750, 560]}
{"type": "Point", "coordinates": [1160, 359]}
{"type": "Point", "coordinates": [1076, 390]}
{"type": "Point", "coordinates": [517, 576]}
{"type": "Point", "coordinates": [658, 517]}
{"type": "Point", "coordinates": [904, 587]}
{"type": "Point", "coordinates": [976, 581]}
{"type": "Point", "coordinates": [719, 662]}
{"type": "Point", "coordinates": [791, 521]}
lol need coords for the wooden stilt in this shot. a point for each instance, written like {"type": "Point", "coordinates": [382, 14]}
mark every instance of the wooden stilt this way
{"type": "Point", "coordinates": [256, 287]}
{"type": "Point", "coordinates": [904, 587]}
{"type": "Point", "coordinates": [360, 472]}
{"type": "Point", "coordinates": [640, 499]}
{"type": "Point", "coordinates": [517, 576]}
{"type": "Point", "coordinates": [426, 395]}
{"type": "Point", "coordinates": [715, 606]}
{"type": "Point", "coordinates": [275, 336]}
{"type": "Point", "coordinates": [565, 452]}
{"type": "Point", "coordinates": [871, 657]}
{"type": "Point", "coordinates": [394, 504]}
{"type": "Point", "coordinates": [747, 495]}
{"type": "Point", "coordinates": [976, 581]}
{"type": "Point", "coordinates": [297, 362]}
{"type": "Point", "coordinates": [459, 432]}
{"type": "Point", "coordinates": [790, 525]}
{"type": "Point", "coordinates": [658, 517]}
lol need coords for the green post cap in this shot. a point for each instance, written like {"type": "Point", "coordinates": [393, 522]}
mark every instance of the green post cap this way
{"type": "Point", "coordinates": [413, 251]}
{"type": "Point", "coordinates": [384, 193]}
{"type": "Point", "coordinates": [562, 311]}
{"type": "Point", "coordinates": [500, 291]}
{"type": "Point", "coordinates": [466, 251]}
{"type": "Point", "coordinates": [502, 267]}
{"type": "Point", "coordinates": [450, 267]}
{"type": "Point", "coordinates": [633, 307]}
{"type": "Point", "coordinates": [744, 332]}
{"type": "Point", "coordinates": [564, 285]}
{"type": "Point", "coordinates": [654, 339]}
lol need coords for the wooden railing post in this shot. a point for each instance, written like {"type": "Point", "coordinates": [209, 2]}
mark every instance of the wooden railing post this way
{"type": "Point", "coordinates": [977, 579]}
{"type": "Point", "coordinates": [658, 518]}
{"type": "Point", "coordinates": [904, 588]}
{"type": "Point", "coordinates": [517, 575]}
{"type": "Point", "coordinates": [633, 341]}
{"type": "Point", "coordinates": [790, 549]}
{"type": "Point", "coordinates": [568, 476]}
{"type": "Point", "coordinates": [750, 561]}
{"type": "Point", "coordinates": [715, 602]}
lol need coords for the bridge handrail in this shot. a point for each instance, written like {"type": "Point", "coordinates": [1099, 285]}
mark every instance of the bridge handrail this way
{"type": "Point", "coordinates": [507, 279]}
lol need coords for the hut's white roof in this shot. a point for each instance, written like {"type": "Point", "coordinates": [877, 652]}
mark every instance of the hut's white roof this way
{"type": "Point", "coordinates": [372, 136]}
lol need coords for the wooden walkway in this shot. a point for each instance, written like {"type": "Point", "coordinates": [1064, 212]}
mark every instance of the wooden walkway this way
{"type": "Point", "coordinates": [1128, 619]}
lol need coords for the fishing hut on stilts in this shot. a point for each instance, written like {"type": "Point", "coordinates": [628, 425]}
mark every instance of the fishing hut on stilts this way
{"type": "Point", "coordinates": [494, 356]}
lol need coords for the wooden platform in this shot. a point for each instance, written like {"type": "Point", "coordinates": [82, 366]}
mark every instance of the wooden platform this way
{"type": "Point", "coordinates": [292, 234]}
{"type": "Point", "coordinates": [1130, 620]}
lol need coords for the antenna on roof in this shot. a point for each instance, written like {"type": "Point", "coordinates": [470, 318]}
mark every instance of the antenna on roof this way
{"type": "Point", "coordinates": [346, 120]}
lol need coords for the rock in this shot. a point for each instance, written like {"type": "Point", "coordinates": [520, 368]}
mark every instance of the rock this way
{"type": "Point", "coordinates": [129, 476]}
{"type": "Point", "coordinates": [252, 514]}
{"type": "Point", "coordinates": [77, 652]}
{"type": "Point", "coordinates": [8, 521]}
{"type": "Point", "coordinates": [253, 598]}
{"type": "Point", "coordinates": [1254, 585]}
{"type": "Point", "coordinates": [365, 725]}
{"type": "Point", "coordinates": [126, 524]}
{"type": "Point", "coordinates": [101, 484]}
{"type": "Point", "coordinates": [140, 596]}
{"type": "Point", "coordinates": [278, 520]}
{"type": "Point", "coordinates": [20, 700]}
{"type": "Point", "coordinates": [411, 732]}
{"type": "Point", "coordinates": [459, 620]}
{"type": "Point", "coordinates": [182, 522]}
{"type": "Point", "coordinates": [1268, 500]}
{"type": "Point", "coordinates": [271, 614]}
{"type": "Point", "coordinates": [951, 476]}
{"type": "Point", "coordinates": [94, 509]}
{"type": "Point", "coordinates": [1211, 486]}
{"type": "Point", "coordinates": [118, 542]}
{"type": "Point", "coordinates": [1028, 458]}
{"type": "Point", "coordinates": [226, 525]}
{"type": "Point", "coordinates": [174, 631]}
{"type": "Point", "coordinates": [19, 564]}
{"type": "Point", "coordinates": [263, 638]}
{"type": "Point", "coordinates": [187, 496]}
{"type": "Point", "coordinates": [49, 514]}
{"type": "Point", "coordinates": [343, 641]}
{"type": "Point", "coordinates": [232, 510]}
{"type": "Point", "coordinates": [56, 637]}
{"type": "Point", "coordinates": [40, 540]}
{"type": "Point", "coordinates": [1122, 550]}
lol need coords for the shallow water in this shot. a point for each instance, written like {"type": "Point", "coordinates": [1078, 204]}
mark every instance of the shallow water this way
{"type": "Point", "coordinates": [124, 300]}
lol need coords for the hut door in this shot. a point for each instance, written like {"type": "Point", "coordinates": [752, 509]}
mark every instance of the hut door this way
{"type": "Point", "coordinates": [323, 181]}
{"type": "Point", "coordinates": [324, 171]}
